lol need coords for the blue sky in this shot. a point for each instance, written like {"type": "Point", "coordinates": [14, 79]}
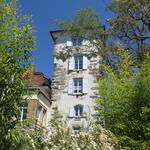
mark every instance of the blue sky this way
{"type": "Point", "coordinates": [43, 12]}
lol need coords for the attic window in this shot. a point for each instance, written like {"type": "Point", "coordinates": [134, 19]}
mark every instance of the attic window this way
{"type": "Point", "coordinates": [77, 41]}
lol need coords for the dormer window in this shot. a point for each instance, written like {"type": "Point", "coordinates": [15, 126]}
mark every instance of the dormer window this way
{"type": "Point", "coordinates": [77, 41]}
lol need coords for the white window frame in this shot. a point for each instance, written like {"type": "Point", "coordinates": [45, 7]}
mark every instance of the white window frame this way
{"type": "Point", "coordinates": [40, 109]}
{"type": "Point", "coordinates": [78, 111]}
{"type": "Point", "coordinates": [78, 62]}
{"type": "Point", "coordinates": [78, 89]}
{"type": "Point", "coordinates": [42, 113]}
{"type": "Point", "coordinates": [24, 112]}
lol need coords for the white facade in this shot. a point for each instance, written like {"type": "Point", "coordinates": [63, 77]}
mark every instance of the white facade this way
{"type": "Point", "coordinates": [38, 106]}
{"type": "Point", "coordinates": [42, 110]}
{"type": "Point", "coordinates": [74, 88]}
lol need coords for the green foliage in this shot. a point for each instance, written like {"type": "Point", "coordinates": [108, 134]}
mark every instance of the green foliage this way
{"type": "Point", "coordinates": [16, 41]}
{"type": "Point", "coordinates": [62, 138]}
{"type": "Point", "coordinates": [86, 24]}
{"type": "Point", "coordinates": [125, 101]}
{"type": "Point", "coordinates": [131, 24]}
{"type": "Point", "coordinates": [63, 55]}
{"type": "Point", "coordinates": [26, 135]}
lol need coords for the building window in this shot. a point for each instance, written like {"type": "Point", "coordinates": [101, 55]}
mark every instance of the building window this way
{"type": "Point", "coordinates": [39, 116]}
{"type": "Point", "coordinates": [78, 110]}
{"type": "Point", "coordinates": [78, 62]}
{"type": "Point", "coordinates": [76, 130]}
{"type": "Point", "coordinates": [77, 41]}
{"type": "Point", "coordinates": [78, 86]}
{"type": "Point", "coordinates": [42, 115]}
{"type": "Point", "coordinates": [24, 111]}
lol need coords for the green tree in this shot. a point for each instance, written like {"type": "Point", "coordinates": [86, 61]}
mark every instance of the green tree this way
{"type": "Point", "coordinates": [125, 101]}
{"type": "Point", "coordinates": [131, 24]}
{"type": "Point", "coordinates": [16, 42]}
{"type": "Point", "coordinates": [62, 138]}
{"type": "Point", "coordinates": [27, 135]}
{"type": "Point", "coordinates": [86, 25]}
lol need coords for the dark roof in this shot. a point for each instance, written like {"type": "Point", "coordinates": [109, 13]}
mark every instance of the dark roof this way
{"type": "Point", "coordinates": [59, 31]}
{"type": "Point", "coordinates": [55, 31]}
{"type": "Point", "coordinates": [38, 78]}
{"type": "Point", "coordinates": [39, 81]}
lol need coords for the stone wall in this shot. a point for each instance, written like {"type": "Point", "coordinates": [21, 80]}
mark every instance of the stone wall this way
{"type": "Point", "coordinates": [61, 100]}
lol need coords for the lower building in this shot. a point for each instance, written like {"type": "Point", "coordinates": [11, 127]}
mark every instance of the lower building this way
{"type": "Point", "coordinates": [38, 100]}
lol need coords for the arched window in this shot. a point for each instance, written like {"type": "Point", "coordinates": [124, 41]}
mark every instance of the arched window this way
{"type": "Point", "coordinates": [78, 110]}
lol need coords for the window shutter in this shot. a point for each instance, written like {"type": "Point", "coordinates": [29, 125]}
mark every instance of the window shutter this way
{"type": "Point", "coordinates": [71, 112]}
{"type": "Point", "coordinates": [85, 42]}
{"type": "Point", "coordinates": [70, 87]}
{"type": "Point", "coordinates": [85, 62]}
{"type": "Point", "coordinates": [85, 86]}
{"type": "Point", "coordinates": [21, 117]}
{"type": "Point", "coordinates": [69, 41]}
{"type": "Point", "coordinates": [86, 109]}
{"type": "Point", "coordinates": [71, 63]}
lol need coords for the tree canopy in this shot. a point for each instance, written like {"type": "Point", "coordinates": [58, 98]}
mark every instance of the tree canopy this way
{"type": "Point", "coordinates": [124, 89]}
{"type": "Point", "coordinates": [125, 101]}
{"type": "Point", "coordinates": [16, 43]}
{"type": "Point", "coordinates": [87, 24]}
{"type": "Point", "coordinates": [131, 25]}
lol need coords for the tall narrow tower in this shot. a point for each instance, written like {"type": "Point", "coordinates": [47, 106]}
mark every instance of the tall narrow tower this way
{"type": "Point", "coordinates": [74, 86]}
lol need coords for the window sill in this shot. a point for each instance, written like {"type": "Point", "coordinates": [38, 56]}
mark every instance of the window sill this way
{"type": "Point", "coordinates": [77, 117]}
{"type": "Point", "coordinates": [76, 46]}
{"type": "Point", "coordinates": [78, 94]}
{"type": "Point", "coordinates": [79, 70]}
